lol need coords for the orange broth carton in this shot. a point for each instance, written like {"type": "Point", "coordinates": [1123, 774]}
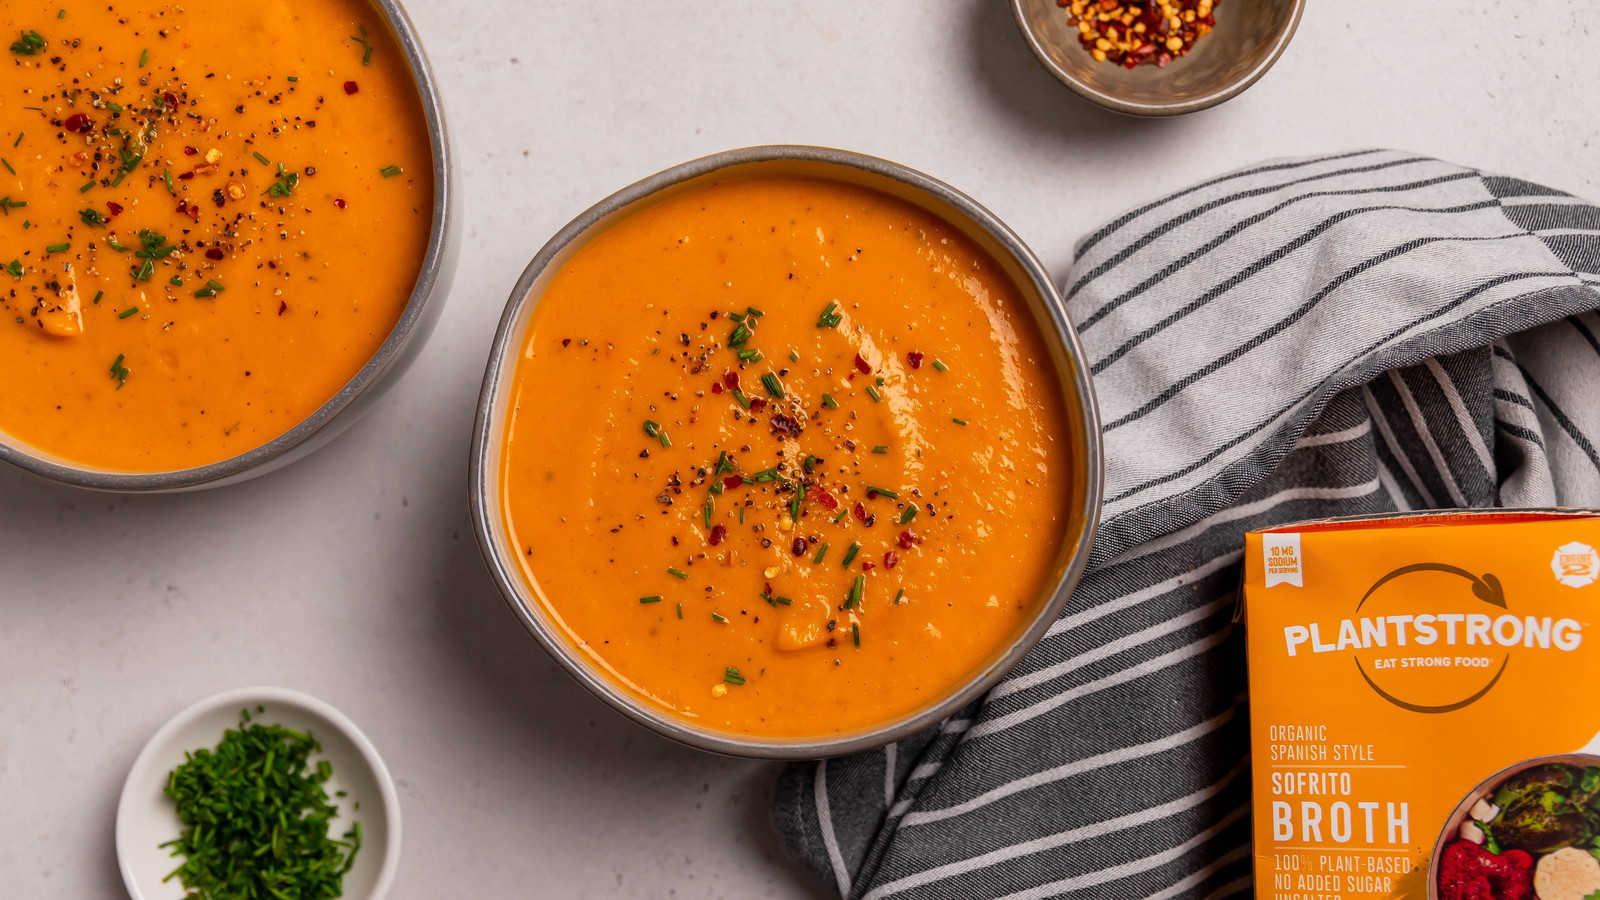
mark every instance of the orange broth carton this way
{"type": "Point", "coordinates": [1425, 706]}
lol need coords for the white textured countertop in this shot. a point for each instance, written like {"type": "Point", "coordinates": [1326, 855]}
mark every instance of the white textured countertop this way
{"type": "Point", "coordinates": [354, 575]}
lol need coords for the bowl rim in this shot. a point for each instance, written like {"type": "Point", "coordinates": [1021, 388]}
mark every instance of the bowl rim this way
{"type": "Point", "coordinates": [1076, 385]}
{"type": "Point", "coordinates": [425, 293]}
{"type": "Point", "coordinates": [240, 698]}
{"type": "Point", "coordinates": [1228, 91]}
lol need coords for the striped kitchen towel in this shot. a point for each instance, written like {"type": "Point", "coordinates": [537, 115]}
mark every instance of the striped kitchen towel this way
{"type": "Point", "coordinates": [1348, 334]}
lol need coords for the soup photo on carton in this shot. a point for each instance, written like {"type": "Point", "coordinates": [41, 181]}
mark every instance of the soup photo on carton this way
{"type": "Point", "coordinates": [1409, 735]}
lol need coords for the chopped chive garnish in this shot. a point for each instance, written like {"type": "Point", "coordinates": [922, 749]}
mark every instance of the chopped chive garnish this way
{"type": "Point", "coordinates": [741, 515]}
{"type": "Point", "coordinates": [724, 465]}
{"type": "Point", "coordinates": [794, 502]}
{"type": "Point", "coordinates": [753, 311]}
{"type": "Point", "coordinates": [741, 399]}
{"type": "Point", "coordinates": [119, 371]}
{"type": "Point", "coordinates": [62, 14]}
{"type": "Point", "coordinates": [740, 333]}
{"type": "Point", "coordinates": [677, 573]}
{"type": "Point", "coordinates": [97, 296]}
{"type": "Point", "coordinates": [829, 318]}
{"type": "Point", "coordinates": [873, 393]}
{"type": "Point", "coordinates": [14, 268]}
{"type": "Point", "coordinates": [822, 553]}
{"type": "Point", "coordinates": [732, 676]}
{"type": "Point", "coordinates": [880, 449]}
{"type": "Point", "coordinates": [850, 555]}
{"type": "Point", "coordinates": [829, 402]}
{"type": "Point", "coordinates": [144, 58]}
{"type": "Point", "coordinates": [390, 171]}
{"type": "Point", "coordinates": [651, 429]}
{"type": "Point", "coordinates": [18, 141]}
{"type": "Point", "coordinates": [717, 617]}
{"type": "Point", "coordinates": [882, 492]}
{"type": "Point", "coordinates": [959, 421]}
{"type": "Point", "coordinates": [766, 475]}
{"type": "Point", "coordinates": [940, 366]}
{"type": "Point", "coordinates": [7, 205]}
{"type": "Point", "coordinates": [92, 217]}
{"type": "Point", "coordinates": [748, 354]}
{"type": "Point", "coordinates": [908, 515]}
{"type": "Point", "coordinates": [773, 385]}
{"type": "Point", "coordinates": [899, 596]}
{"type": "Point", "coordinates": [716, 488]}
{"type": "Point", "coordinates": [294, 77]}
{"type": "Point", "coordinates": [855, 633]}
{"type": "Point", "coordinates": [680, 610]}
{"type": "Point", "coordinates": [260, 159]}
{"type": "Point", "coordinates": [58, 248]}
{"type": "Point", "coordinates": [793, 356]}
{"type": "Point", "coordinates": [29, 44]}
{"type": "Point", "coordinates": [840, 516]}
{"type": "Point", "coordinates": [85, 189]}
{"type": "Point", "coordinates": [114, 107]}
{"type": "Point", "coordinates": [737, 317]}
{"type": "Point", "coordinates": [127, 312]}
{"type": "Point", "coordinates": [167, 175]}
{"type": "Point", "coordinates": [366, 57]}
{"type": "Point", "coordinates": [175, 281]}
{"type": "Point", "coordinates": [856, 589]}
{"type": "Point", "coordinates": [710, 506]}
{"type": "Point", "coordinates": [286, 183]}
{"type": "Point", "coordinates": [653, 599]}
{"type": "Point", "coordinates": [783, 601]}
{"type": "Point", "coordinates": [7, 164]}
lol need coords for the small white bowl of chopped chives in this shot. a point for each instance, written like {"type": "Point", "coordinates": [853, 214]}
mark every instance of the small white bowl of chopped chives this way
{"type": "Point", "coordinates": [260, 793]}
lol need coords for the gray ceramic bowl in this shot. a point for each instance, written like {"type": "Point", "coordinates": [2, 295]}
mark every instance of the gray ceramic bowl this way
{"type": "Point", "coordinates": [381, 371]}
{"type": "Point", "coordinates": [1249, 37]}
{"type": "Point", "coordinates": [1019, 264]}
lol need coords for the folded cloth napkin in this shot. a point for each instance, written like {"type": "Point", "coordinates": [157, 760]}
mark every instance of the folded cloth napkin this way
{"type": "Point", "coordinates": [1347, 334]}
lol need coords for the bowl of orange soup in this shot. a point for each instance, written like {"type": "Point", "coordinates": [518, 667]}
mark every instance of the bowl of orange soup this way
{"type": "Point", "coordinates": [224, 228]}
{"type": "Point", "coordinates": [786, 452]}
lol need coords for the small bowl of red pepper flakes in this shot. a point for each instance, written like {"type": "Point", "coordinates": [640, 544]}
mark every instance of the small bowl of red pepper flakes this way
{"type": "Point", "coordinates": [1157, 57]}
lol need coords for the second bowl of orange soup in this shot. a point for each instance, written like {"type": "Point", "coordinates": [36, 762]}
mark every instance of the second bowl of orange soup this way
{"type": "Point", "coordinates": [225, 227]}
{"type": "Point", "coordinates": [786, 452]}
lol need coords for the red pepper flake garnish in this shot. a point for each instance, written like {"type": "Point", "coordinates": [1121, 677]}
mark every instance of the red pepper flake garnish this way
{"type": "Point", "coordinates": [114, 208]}
{"type": "Point", "coordinates": [78, 122]}
{"type": "Point", "coordinates": [757, 404]}
{"type": "Point", "coordinates": [1134, 34]}
{"type": "Point", "coordinates": [862, 365]}
{"type": "Point", "coordinates": [214, 253]}
{"type": "Point", "coordinates": [189, 151]}
{"type": "Point", "coordinates": [716, 387]}
{"type": "Point", "coordinates": [890, 559]}
{"type": "Point", "coordinates": [350, 87]}
{"type": "Point", "coordinates": [718, 532]}
{"type": "Point", "coordinates": [339, 202]}
{"type": "Point", "coordinates": [731, 379]}
{"type": "Point", "coordinates": [828, 500]}
{"type": "Point", "coordinates": [170, 98]}
{"type": "Point", "coordinates": [914, 359]}
{"type": "Point", "coordinates": [732, 481]}
{"type": "Point", "coordinates": [907, 539]}
{"type": "Point", "coordinates": [283, 307]}
{"type": "Point", "coordinates": [782, 425]}
{"type": "Point", "coordinates": [798, 548]}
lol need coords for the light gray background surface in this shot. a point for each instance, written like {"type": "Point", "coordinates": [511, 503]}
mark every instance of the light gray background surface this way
{"type": "Point", "coordinates": [354, 575]}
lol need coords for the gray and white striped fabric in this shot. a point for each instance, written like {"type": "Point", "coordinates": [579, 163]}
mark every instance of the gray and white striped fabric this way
{"type": "Point", "coordinates": [1348, 334]}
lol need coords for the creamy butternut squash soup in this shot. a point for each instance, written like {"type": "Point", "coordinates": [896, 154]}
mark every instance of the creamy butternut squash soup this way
{"type": "Point", "coordinates": [213, 215]}
{"type": "Point", "coordinates": [785, 456]}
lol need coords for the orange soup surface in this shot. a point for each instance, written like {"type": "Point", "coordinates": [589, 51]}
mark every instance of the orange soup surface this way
{"type": "Point", "coordinates": [213, 215]}
{"type": "Point", "coordinates": [788, 457]}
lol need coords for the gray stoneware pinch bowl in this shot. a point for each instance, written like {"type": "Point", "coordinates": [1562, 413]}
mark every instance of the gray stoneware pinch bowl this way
{"type": "Point", "coordinates": [381, 371]}
{"type": "Point", "coordinates": [1014, 257]}
{"type": "Point", "coordinates": [1249, 37]}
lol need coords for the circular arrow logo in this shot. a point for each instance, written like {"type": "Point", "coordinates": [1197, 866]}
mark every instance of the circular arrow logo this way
{"type": "Point", "coordinates": [1485, 587]}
